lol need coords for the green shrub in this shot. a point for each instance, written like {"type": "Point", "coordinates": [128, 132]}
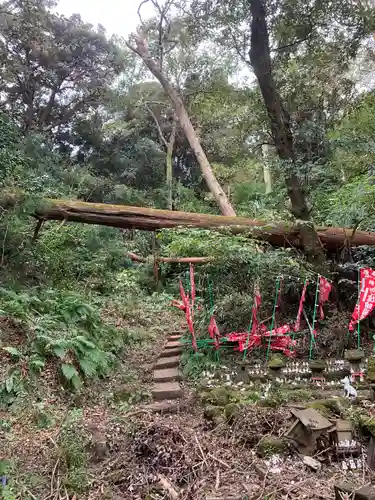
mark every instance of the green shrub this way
{"type": "Point", "coordinates": [65, 329]}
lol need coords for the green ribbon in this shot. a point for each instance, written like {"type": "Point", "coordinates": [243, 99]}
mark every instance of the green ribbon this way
{"type": "Point", "coordinates": [273, 317]}
{"type": "Point", "coordinates": [314, 317]}
{"type": "Point", "coordinates": [358, 324]}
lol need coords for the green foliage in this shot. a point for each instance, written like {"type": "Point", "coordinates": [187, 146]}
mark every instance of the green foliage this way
{"type": "Point", "coordinates": [65, 74]}
{"type": "Point", "coordinates": [11, 159]}
{"type": "Point", "coordinates": [42, 416]}
{"type": "Point", "coordinates": [67, 330]}
{"type": "Point", "coordinates": [237, 264]}
{"type": "Point", "coordinates": [194, 364]}
{"type": "Point", "coordinates": [91, 260]}
{"type": "Point", "coordinates": [11, 387]}
{"type": "Point", "coordinates": [73, 451]}
{"type": "Point", "coordinates": [348, 206]}
{"type": "Point", "coordinates": [352, 139]}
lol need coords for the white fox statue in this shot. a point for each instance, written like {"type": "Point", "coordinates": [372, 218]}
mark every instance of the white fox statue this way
{"type": "Point", "coordinates": [349, 390]}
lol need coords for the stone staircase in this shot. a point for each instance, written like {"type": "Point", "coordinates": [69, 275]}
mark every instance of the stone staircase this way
{"type": "Point", "coordinates": [167, 390]}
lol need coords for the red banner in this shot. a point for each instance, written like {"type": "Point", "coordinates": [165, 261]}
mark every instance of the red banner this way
{"type": "Point", "coordinates": [214, 332]}
{"type": "Point", "coordinates": [324, 291]}
{"type": "Point", "coordinates": [250, 341]}
{"type": "Point", "coordinates": [187, 307]}
{"type": "Point", "coordinates": [281, 330]}
{"type": "Point", "coordinates": [192, 285]}
{"type": "Point", "coordinates": [283, 344]}
{"type": "Point", "coordinates": [256, 306]}
{"type": "Point", "coordinates": [366, 302]}
{"type": "Point", "coordinates": [297, 324]}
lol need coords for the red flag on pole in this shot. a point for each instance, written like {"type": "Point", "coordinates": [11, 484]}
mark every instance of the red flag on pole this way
{"type": "Point", "coordinates": [324, 291]}
{"type": "Point", "coordinates": [366, 300]}
{"type": "Point", "coordinates": [297, 324]}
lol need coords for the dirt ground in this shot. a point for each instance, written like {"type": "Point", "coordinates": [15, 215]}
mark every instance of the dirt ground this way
{"type": "Point", "coordinates": [107, 444]}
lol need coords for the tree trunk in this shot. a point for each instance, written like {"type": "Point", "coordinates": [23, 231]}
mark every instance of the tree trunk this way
{"type": "Point", "coordinates": [150, 219]}
{"type": "Point", "coordinates": [267, 151]}
{"type": "Point", "coordinates": [207, 173]}
{"type": "Point", "coordinates": [280, 126]}
{"type": "Point", "coordinates": [169, 145]}
{"type": "Point", "coordinates": [169, 164]}
{"type": "Point", "coordinates": [170, 260]}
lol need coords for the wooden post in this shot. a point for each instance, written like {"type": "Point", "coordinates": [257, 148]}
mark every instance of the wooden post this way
{"type": "Point", "coordinates": [371, 453]}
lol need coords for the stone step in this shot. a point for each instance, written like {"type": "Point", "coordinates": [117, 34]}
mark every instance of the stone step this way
{"type": "Point", "coordinates": [166, 390]}
{"type": "Point", "coordinates": [162, 362]}
{"type": "Point", "coordinates": [166, 375]}
{"type": "Point", "coordinates": [165, 406]}
{"type": "Point", "coordinates": [176, 336]}
{"type": "Point", "coordinates": [168, 353]}
{"type": "Point", "coordinates": [172, 344]}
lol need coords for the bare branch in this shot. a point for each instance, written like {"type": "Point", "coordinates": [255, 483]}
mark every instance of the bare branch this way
{"type": "Point", "coordinates": [139, 9]}
{"type": "Point", "coordinates": [238, 49]}
{"type": "Point", "coordinates": [164, 27]}
{"type": "Point", "coordinates": [160, 132]}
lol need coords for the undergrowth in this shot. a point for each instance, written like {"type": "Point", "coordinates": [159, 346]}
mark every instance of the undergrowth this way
{"type": "Point", "coordinates": [58, 327]}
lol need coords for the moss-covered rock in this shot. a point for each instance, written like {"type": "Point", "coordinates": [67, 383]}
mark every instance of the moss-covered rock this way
{"type": "Point", "coordinates": [215, 414]}
{"type": "Point", "coordinates": [276, 362]}
{"type": "Point", "coordinates": [371, 369]}
{"type": "Point", "coordinates": [354, 355]}
{"type": "Point", "coordinates": [337, 375]}
{"type": "Point", "coordinates": [367, 425]}
{"type": "Point", "coordinates": [219, 396]}
{"type": "Point", "coordinates": [221, 414]}
{"type": "Point", "coordinates": [231, 410]}
{"type": "Point", "coordinates": [272, 445]}
{"type": "Point", "coordinates": [317, 365]}
{"type": "Point", "coordinates": [330, 406]}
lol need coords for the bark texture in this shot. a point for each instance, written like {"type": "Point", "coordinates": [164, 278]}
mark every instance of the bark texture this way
{"type": "Point", "coordinates": [170, 260]}
{"type": "Point", "coordinates": [267, 151]}
{"type": "Point", "coordinates": [278, 116]}
{"type": "Point", "coordinates": [150, 219]}
{"type": "Point", "coordinates": [141, 49]}
{"type": "Point", "coordinates": [169, 164]}
{"type": "Point", "coordinates": [280, 125]}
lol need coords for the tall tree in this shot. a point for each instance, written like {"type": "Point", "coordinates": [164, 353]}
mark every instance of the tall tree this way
{"type": "Point", "coordinates": [278, 40]}
{"type": "Point", "coordinates": [279, 118]}
{"type": "Point", "coordinates": [148, 100]}
{"type": "Point", "coordinates": [53, 68]}
{"type": "Point", "coordinates": [164, 44]}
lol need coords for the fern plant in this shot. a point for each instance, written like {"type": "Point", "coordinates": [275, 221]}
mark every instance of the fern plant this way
{"type": "Point", "coordinates": [78, 357]}
{"type": "Point", "coordinates": [64, 328]}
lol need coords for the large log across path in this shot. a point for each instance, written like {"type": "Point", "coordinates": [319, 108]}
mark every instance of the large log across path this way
{"type": "Point", "coordinates": [149, 219]}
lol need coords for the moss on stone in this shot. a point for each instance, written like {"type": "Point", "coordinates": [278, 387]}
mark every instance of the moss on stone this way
{"type": "Point", "coordinates": [272, 445]}
{"type": "Point", "coordinates": [223, 396]}
{"type": "Point", "coordinates": [330, 406]}
{"type": "Point", "coordinates": [276, 362]}
{"type": "Point", "coordinates": [214, 414]}
{"type": "Point", "coordinates": [317, 365]}
{"type": "Point", "coordinates": [219, 396]}
{"type": "Point", "coordinates": [231, 410]}
{"type": "Point", "coordinates": [371, 369]}
{"type": "Point", "coordinates": [221, 414]}
{"type": "Point", "coordinates": [354, 355]}
{"type": "Point", "coordinates": [367, 425]}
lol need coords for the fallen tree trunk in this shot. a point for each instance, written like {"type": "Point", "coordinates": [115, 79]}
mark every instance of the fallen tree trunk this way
{"type": "Point", "coordinates": [150, 219]}
{"type": "Point", "coordinates": [170, 260]}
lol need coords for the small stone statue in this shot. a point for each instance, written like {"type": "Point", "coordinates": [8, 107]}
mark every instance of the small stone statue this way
{"type": "Point", "coordinates": [349, 390]}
